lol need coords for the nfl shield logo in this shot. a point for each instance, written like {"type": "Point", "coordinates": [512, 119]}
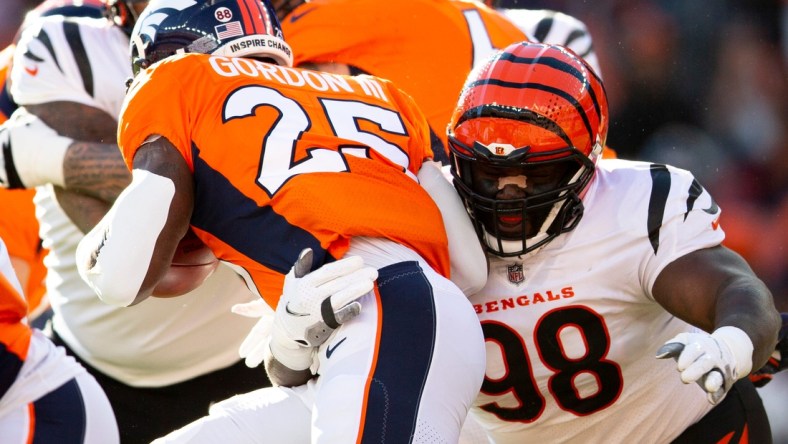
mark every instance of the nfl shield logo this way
{"type": "Point", "coordinates": [516, 273]}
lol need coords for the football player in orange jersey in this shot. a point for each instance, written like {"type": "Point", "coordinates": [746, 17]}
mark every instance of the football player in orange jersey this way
{"type": "Point", "coordinates": [262, 161]}
{"type": "Point", "coordinates": [46, 396]}
{"type": "Point", "coordinates": [425, 47]}
{"type": "Point", "coordinates": [596, 266]}
{"type": "Point", "coordinates": [399, 41]}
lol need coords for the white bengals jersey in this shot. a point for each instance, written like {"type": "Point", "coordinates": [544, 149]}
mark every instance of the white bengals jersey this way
{"type": "Point", "coordinates": [571, 330]}
{"type": "Point", "coordinates": [547, 26]}
{"type": "Point", "coordinates": [162, 341]}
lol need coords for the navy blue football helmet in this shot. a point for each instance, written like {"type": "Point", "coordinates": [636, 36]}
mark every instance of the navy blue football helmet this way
{"type": "Point", "coordinates": [231, 28]}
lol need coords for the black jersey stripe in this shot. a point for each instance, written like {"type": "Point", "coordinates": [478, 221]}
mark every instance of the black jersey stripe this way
{"type": "Point", "coordinates": [12, 175]}
{"type": "Point", "coordinates": [543, 28]}
{"type": "Point", "coordinates": [43, 37]}
{"type": "Point", "coordinates": [7, 104]}
{"type": "Point", "coordinates": [695, 191]}
{"type": "Point", "coordinates": [552, 62]}
{"type": "Point", "coordinates": [439, 151]}
{"type": "Point", "coordinates": [588, 51]}
{"type": "Point", "coordinates": [574, 35]}
{"type": "Point", "coordinates": [74, 40]}
{"type": "Point", "coordinates": [660, 188]}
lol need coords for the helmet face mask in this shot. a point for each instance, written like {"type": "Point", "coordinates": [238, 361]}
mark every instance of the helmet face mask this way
{"type": "Point", "coordinates": [518, 204]}
{"type": "Point", "coordinates": [231, 28]}
{"type": "Point", "coordinates": [524, 141]}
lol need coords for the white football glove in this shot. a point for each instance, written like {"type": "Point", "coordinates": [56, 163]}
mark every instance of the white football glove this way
{"type": "Point", "coordinates": [714, 361]}
{"type": "Point", "coordinates": [314, 304]}
{"type": "Point", "coordinates": [255, 345]}
{"type": "Point", "coordinates": [31, 153]}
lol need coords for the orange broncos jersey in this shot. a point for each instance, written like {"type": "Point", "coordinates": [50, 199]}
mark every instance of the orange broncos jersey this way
{"type": "Point", "coordinates": [19, 226]}
{"type": "Point", "coordinates": [19, 230]}
{"type": "Point", "coordinates": [285, 158]}
{"type": "Point", "coordinates": [426, 47]}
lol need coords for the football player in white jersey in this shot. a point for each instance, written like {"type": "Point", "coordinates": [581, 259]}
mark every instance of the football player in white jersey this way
{"type": "Point", "coordinates": [45, 396]}
{"type": "Point", "coordinates": [161, 364]}
{"type": "Point", "coordinates": [597, 268]}
{"type": "Point", "coordinates": [548, 26]}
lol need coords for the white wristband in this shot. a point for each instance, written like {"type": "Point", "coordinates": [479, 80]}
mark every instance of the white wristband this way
{"type": "Point", "coordinates": [38, 150]}
{"type": "Point", "coordinates": [740, 346]}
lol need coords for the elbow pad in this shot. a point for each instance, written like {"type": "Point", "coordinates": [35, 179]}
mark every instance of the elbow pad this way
{"type": "Point", "coordinates": [113, 258]}
{"type": "Point", "coordinates": [468, 261]}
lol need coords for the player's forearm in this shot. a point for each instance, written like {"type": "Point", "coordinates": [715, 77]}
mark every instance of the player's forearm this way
{"type": "Point", "coordinates": [95, 169]}
{"type": "Point", "coordinates": [77, 121]}
{"type": "Point", "coordinates": [84, 211]}
{"type": "Point", "coordinates": [283, 376]}
{"type": "Point", "coordinates": [747, 304]}
{"type": "Point", "coordinates": [92, 164]}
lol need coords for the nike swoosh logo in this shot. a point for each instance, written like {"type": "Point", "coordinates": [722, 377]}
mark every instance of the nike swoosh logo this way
{"type": "Point", "coordinates": [32, 71]}
{"type": "Point", "coordinates": [330, 351]}
{"type": "Point", "coordinates": [713, 208]}
{"type": "Point", "coordinates": [296, 17]}
{"type": "Point", "coordinates": [294, 313]}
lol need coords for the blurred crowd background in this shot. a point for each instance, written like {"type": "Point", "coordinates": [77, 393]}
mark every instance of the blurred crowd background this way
{"type": "Point", "coordinates": [699, 84]}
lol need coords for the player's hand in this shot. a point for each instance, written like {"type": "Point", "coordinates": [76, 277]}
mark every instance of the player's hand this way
{"type": "Point", "coordinates": [255, 345]}
{"type": "Point", "coordinates": [314, 304]}
{"type": "Point", "coordinates": [777, 362]}
{"type": "Point", "coordinates": [714, 361]}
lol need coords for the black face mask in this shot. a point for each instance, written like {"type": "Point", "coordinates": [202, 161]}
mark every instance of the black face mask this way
{"type": "Point", "coordinates": [515, 209]}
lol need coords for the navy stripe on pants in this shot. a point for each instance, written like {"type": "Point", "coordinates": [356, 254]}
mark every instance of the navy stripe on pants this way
{"type": "Point", "coordinates": [60, 416]}
{"type": "Point", "coordinates": [405, 353]}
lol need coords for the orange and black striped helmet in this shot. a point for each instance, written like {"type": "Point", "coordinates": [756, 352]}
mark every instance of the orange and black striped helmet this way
{"type": "Point", "coordinates": [529, 106]}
